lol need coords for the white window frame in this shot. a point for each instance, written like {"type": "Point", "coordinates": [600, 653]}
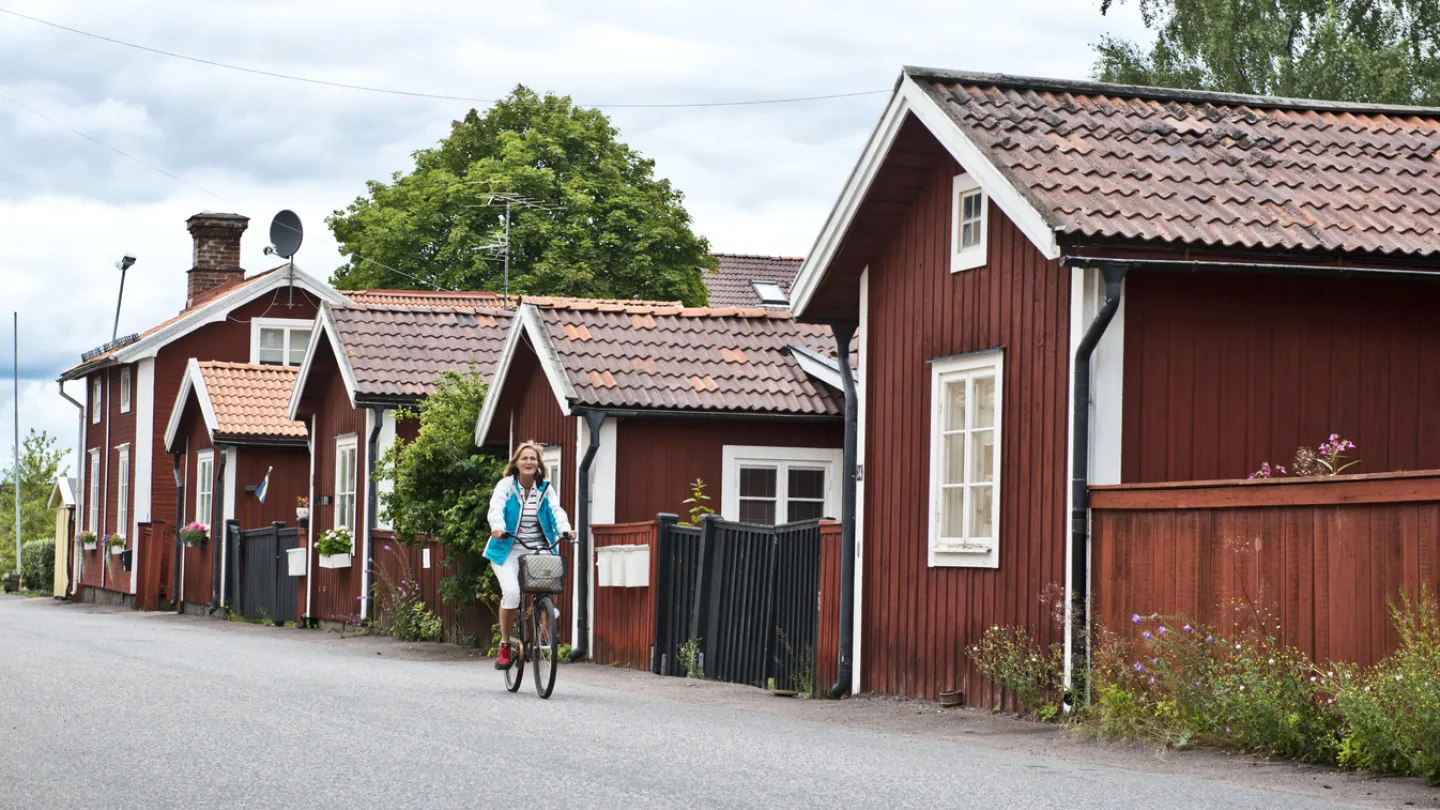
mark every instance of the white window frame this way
{"type": "Point", "coordinates": [963, 258]}
{"type": "Point", "coordinates": [287, 325]}
{"type": "Point", "coordinates": [125, 390]}
{"type": "Point", "coordinates": [553, 457]}
{"type": "Point", "coordinates": [205, 488]}
{"type": "Point", "coordinates": [965, 554]}
{"type": "Point", "coordinates": [94, 509]}
{"type": "Point", "coordinates": [122, 504]}
{"type": "Point", "coordinates": [736, 456]}
{"type": "Point", "coordinates": [97, 401]}
{"type": "Point", "coordinates": [345, 484]}
{"type": "Point", "coordinates": [385, 486]}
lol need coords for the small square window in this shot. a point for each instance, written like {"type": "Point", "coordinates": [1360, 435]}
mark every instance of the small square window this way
{"type": "Point", "coordinates": [272, 347]}
{"type": "Point", "coordinates": [770, 294]}
{"type": "Point", "coordinates": [967, 249]}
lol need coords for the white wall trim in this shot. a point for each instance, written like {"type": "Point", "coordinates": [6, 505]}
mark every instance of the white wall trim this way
{"type": "Point", "coordinates": [497, 382]}
{"type": "Point", "coordinates": [823, 368]}
{"type": "Point", "coordinates": [602, 502]}
{"type": "Point", "coordinates": [232, 458]}
{"type": "Point", "coordinates": [143, 396]}
{"type": "Point", "coordinates": [858, 602]}
{"type": "Point", "coordinates": [385, 485]}
{"type": "Point", "coordinates": [192, 382]}
{"type": "Point", "coordinates": [1077, 332]}
{"type": "Point", "coordinates": [734, 456]}
{"type": "Point", "coordinates": [1107, 391]}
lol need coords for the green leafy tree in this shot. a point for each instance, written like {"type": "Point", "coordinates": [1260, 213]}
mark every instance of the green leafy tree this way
{"type": "Point", "coordinates": [604, 225]}
{"type": "Point", "coordinates": [443, 483]}
{"type": "Point", "coordinates": [1376, 51]}
{"type": "Point", "coordinates": [39, 467]}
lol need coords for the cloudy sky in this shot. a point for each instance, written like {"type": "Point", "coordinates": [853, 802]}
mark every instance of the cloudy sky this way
{"type": "Point", "coordinates": [758, 179]}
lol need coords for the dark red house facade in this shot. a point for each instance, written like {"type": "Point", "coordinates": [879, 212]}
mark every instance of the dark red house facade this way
{"type": "Point", "coordinates": [1234, 276]}
{"type": "Point", "coordinates": [125, 478]}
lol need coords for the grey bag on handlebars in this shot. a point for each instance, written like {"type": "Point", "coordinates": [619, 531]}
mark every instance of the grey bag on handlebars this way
{"type": "Point", "coordinates": [542, 573]}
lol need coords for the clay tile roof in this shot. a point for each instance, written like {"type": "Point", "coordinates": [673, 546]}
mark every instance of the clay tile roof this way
{"type": "Point", "coordinates": [251, 400]}
{"type": "Point", "coordinates": [401, 351]}
{"type": "Point", "coordinates": [730, 284]}
{"type": "Point", "coordinates": [425, 298]}
{"type": "Point", "coordinates": [690, 359]}
{"type": "Point", "coordinates": [1206, 169]}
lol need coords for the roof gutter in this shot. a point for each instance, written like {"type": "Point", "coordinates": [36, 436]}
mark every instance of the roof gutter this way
{"type": "Point", "coordinates": [1249, 268]}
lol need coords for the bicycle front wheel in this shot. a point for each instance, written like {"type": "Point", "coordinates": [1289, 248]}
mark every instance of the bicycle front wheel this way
{"type": "Point", "coordinates": [515, 675]}
{"type": "Point", "coordinates": [545, 647]}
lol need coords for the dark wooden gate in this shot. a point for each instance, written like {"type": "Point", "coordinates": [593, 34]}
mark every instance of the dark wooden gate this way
{"type": "Point", "coordinates": [260, 586]}
{"type": "Point", "coordinates": [747, 594]}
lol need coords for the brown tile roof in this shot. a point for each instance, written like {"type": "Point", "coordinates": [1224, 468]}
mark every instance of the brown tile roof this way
{"type": "Point", "coordinates": [730, 285]}
{"type": "Point", "coordinates": [401, 351]}
{"type": "Point", "coordinates": [425, 298]}
{"type": "Point", "coordinates": [690, 359]}
{"type": "Point", "coordinates": [1206, 169]}
{"type": "Point", "coordinates": [251, 400]}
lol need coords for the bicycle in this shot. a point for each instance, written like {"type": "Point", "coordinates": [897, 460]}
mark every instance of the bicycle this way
{"type": "Point", "coordinates": [540, 575]}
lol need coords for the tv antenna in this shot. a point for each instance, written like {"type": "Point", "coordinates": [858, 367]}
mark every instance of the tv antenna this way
{"type": "Point", "coordinates": [503, 248]}
{"type": "Point", "coordinates": [286, 233]}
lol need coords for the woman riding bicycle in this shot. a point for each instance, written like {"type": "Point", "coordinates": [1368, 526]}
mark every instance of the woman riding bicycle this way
{"type": "Point", "coordinates": [526, 506]}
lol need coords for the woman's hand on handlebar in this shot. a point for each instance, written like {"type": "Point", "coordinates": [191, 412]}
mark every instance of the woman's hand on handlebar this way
{"type": "Point", "coordinates": [497, 533]}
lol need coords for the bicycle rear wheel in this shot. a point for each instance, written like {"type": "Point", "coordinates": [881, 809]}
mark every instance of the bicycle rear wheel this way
{"type": "Point", "coordinates": [515, 675]}
{"type": "Point", "coordinates": [545, 647]}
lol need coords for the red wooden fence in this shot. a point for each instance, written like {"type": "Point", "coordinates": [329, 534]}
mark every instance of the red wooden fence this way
{"type": "Point", "coordinates": [1323, 558]}
{"type": "Point", "coordinates": [397, 563]}
{"type": "Point", "coordinates": [625, 617]}
{"type": "Point", "coordinates": [827, 639]}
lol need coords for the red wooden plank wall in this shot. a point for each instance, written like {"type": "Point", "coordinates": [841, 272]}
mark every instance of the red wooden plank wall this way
{"type": "Point", "coordinates": [397, 562]}
{"type": "Point", "coordinates": [1224, 372]}
{"type": "Point", "coordinates": [625, 617]}
{"type": "Point", "coordinates": [335, 594]}
{"type": "Point", "coordinates": [918, 620]}
{"type": "Point", "coordinates": [827, 650]}
{"type": "Point", "coordinates": [1323, 561]}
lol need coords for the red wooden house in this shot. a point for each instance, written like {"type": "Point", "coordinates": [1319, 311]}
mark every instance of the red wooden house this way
{"type": "Point", "coordinates": [1228, 277]}
{"type": "Point", "coordinates": [126, 479]}
{"type": "Point", "coordinates": [229, 434]}
{"type": "Point", "coordinates": [635, 400]}
{"type": "Point", "coordinates": [382, 351]}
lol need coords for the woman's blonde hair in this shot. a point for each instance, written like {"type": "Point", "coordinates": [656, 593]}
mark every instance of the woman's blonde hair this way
{"type": "Point", "coordinates": [513, 467]}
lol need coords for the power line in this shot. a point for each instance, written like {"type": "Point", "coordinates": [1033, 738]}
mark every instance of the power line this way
{"type": "Point", "coordinates": [177, 178]}
{"type": "Point", "coordinates": [416, 94]}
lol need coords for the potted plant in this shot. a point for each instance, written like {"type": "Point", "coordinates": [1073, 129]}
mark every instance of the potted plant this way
{"type": "Point", "coordinates": [195, 534]}
{"type": "Point", "coordinates": [116, 543]}
{"type": "Point", "coordinates": [335, 548]}
{"type": "Point", "coordinates": [302, 508]}
{"type": "Point", "coordinates": [87, 541]}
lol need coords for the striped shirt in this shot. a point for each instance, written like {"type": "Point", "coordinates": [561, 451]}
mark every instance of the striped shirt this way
{"type": "Point", "coordinates": [529, 528]}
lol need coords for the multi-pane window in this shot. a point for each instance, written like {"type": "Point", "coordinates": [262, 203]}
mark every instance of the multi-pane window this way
{"type": "Point", "coordinates": [345, 458]}
{"type": "Point", "coordinates": [774, 485]}
{"type": "Point", "coordinates": [968, 239]}
{"type": "Point", "coordinates": [93, 524]}
{"type": "Point", "coordinates": [122, 520]}
{"type": "Point", "coordinates": [965, 464]}
{"type": "Point", "coordinates": [279, 342]}
{"type": "Point", "coordinates": [95, 400]}
{"type": "Point", "coordinates": [205, 486]}
{"type": "Point", "coordinates": [125, 390]}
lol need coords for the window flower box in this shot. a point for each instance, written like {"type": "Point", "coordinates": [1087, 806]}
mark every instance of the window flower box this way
{"type": "Point", "coordinates": [88, 541]}
{"type": "Point", "coordinates": [335, 560]}
{"type": "Point", "coordinates": [335, 548]}
{"type": "Point", "coordinates": [116, 543]}
{"type": "Point", "coordinates": [195, 535]}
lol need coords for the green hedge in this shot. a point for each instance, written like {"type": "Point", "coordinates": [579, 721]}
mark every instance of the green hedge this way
{"type": "Point", "coordinates": [37, 565]}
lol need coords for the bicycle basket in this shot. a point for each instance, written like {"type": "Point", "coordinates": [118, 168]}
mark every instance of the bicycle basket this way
{"type": "Point", "coordinates": [542, 573]}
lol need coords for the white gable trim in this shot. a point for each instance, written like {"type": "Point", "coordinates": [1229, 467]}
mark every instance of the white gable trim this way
{"type": "Point", "coordinates": [192, 381]}
{"type": "Point", "coordinates": [62, 494]}
{"type": "Point", "coordinates": [911, 98]}
{"type": "Point", "coordinates": [526, 323]}
{"type": "Point", "coordinates": [324, 323]}
{"type": "Point", "coordinates": [825, 369]}
{"type": "Point", "coordinates": [219, 309]}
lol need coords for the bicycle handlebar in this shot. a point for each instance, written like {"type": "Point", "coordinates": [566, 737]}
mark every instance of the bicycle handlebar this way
{"type": "Point", "coordinates": [542, 546]}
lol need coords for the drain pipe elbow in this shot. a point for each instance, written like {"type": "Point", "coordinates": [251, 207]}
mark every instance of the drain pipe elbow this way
{"type": "Point", "coordinates": [1114, 275]}
{"type": "Point", "coordinates": [580, 645]}
{"type": "Point", "coordinates": [843, 332]}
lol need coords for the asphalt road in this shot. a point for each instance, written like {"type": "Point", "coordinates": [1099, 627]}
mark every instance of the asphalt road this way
{"type": "Point", "coordinates": [120, 710]}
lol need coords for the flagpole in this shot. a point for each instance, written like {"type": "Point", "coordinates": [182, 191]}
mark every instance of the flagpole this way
{"type": "Point", "coordinates": [17, 440]}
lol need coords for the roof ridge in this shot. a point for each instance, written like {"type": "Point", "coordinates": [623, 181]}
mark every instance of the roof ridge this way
{"type": "Point", "coordinates": [677, 311]}
{"type": "Point", "coordinates": [1087, 87]}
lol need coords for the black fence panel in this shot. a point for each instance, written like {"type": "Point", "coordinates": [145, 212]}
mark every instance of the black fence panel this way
{"type": "Point", "coordinates": [746, 595]}
{"type": "Point", "coordinates": [260, 584]}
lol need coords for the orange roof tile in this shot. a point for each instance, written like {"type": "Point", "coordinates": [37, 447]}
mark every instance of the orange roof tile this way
{"type": "Point", "coordinates": [251, 400]}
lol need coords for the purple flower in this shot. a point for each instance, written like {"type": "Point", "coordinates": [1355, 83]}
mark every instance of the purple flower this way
{"type": "Point", "coordinates": [1162, 629]}
{"type": "Point", "coordinates": [1187, 628]}
{"type": "Point", "coordinates": [387, 548]}
{"type": "Point", "coordinates": [1209, 639]}
{"type": "Point", "coordinates": [1136, 618]}
{"type": "Point", "coordinates": [1139, 667]}
{"type": "Point", "coordinates": [1197, 683]}
{"type": "Point", "coordinates": [1146, 634]}
{"type": "Point", "coordinates": [1152, 679]}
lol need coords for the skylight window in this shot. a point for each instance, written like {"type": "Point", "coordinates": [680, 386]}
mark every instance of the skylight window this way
{"type": "Point", "coordinates": [770, 294]}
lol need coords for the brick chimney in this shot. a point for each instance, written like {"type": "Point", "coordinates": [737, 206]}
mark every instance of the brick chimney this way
{"type": "Point", "coordinates": [217, 252]}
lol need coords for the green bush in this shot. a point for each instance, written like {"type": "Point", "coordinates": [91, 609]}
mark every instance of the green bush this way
{"type": "Point", "coordinates": [1391, 711]}
{"type": "Point", "coordinates": [1012, 660]}
{"type": "Point", "coordinates": [37, 565]}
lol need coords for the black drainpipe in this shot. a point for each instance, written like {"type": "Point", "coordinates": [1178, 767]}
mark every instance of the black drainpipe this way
{"type": "Point", "coordinates": [1114, 274]}
{"type": "Point", "coordinates": [372, 497]}
{"type": "Point", "coordinates": [179, 523]}
{"type": "Point", "coordinates": [843, 331]}
{"type": "Point", "coordinates": [217, 527]}
{"type": "Point", "coordinates": [579, 649]}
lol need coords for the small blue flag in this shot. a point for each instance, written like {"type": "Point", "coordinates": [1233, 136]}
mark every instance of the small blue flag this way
{"type": "Point", "coordinates": [264, 485]}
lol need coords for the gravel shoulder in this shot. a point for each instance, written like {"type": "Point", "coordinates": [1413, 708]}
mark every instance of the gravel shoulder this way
{"type": "Point", "coordinates": [888, 716]}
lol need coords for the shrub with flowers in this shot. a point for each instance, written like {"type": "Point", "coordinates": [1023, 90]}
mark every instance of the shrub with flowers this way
{"type": "Point", "coordinates": [400, 608]}
{"type": "Point", "coordinates": [335, 541]}
{"type": "Point", "coordinates": [1326, 459]}
{"type": "Point", "coordinates": [195, 534]}
{"type": "Point", "coordinates": [1011, 659]}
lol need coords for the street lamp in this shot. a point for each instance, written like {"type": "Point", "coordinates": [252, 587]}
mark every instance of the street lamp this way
{"type": "Point", "coordinates": [122, 266]}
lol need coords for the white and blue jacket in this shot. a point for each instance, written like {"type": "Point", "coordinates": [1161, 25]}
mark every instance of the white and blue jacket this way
{"type": "Point", "coordinates": [505, 513]}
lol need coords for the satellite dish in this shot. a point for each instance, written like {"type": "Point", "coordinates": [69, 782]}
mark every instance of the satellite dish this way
{"type": "Point", "coordinates": [286, 233]}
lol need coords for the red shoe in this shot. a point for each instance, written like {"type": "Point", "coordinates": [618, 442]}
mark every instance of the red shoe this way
{"type": "Point", "coordinates": [502, 658]}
